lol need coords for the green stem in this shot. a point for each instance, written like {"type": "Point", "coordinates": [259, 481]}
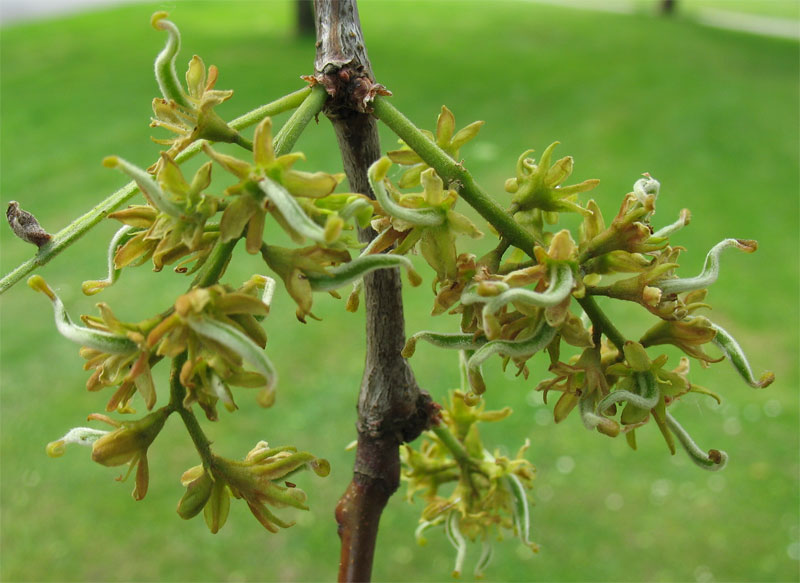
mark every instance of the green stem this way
{"type": "Point", "coordinates": [80, 226]}
{"type": "Point", "coordinates": [601, 321]}
{"type": "Point", "coordinates": [451, 443]}
{"type": "Point", "coordinates": [290, 132]}
{"type": "Point", "coordinates": [451, 171]}
{"type": "Point", "coordinates": [243, 142]}
{"type": "Point", "coordinates": [285, 103]}
{"type": "Point", "coordinates": [215, 265]}
{"type": "Point", "coordinates": [176, 395]}
{"type": "Point", "coordinates": [465, 462]}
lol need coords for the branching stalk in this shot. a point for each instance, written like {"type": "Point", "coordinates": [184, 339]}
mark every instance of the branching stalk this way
{"type": "Point", "coordinates": [176, 395]}
{"type": "Point", "coordinates": [80, 226]}
{"type": "Point", "coordinates": [452, 171]}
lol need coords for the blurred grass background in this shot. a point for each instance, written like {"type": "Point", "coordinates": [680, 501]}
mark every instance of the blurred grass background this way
{"type": "Point", "coordinates": [713, 114]}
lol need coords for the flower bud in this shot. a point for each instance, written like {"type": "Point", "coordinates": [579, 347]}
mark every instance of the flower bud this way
{"type": "Point", "coordinates": [197, 494]}
{"type": "Point", "coordinates": [129, 441]}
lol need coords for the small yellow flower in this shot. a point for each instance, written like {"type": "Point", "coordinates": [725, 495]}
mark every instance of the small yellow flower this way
{"type": "Point", "coordinates": [446, 138]}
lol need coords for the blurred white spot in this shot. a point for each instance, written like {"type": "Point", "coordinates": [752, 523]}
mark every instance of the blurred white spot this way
{"type": "Point", "coordinates": [678, 460]}
{"type": "Point", "coordinates": [615, 501]}
{"type": "Point", "coordinates": [543, 417]}
{"type": "Point", "coordinates": [484, 151]}
{"type": "Point", "coordinates": [659, 490]}
{"type": "Point", "coordinates": [533, 398]}
{"type": "Point", "coordinates": [732, 426]}
{"type": "Point", "coordinates": [793, 550]}
{"type": "Point", "coordinates": [565, 464]}
{"type": "Point", "coordinates": [403, 555]}
{"type": "Point", "coordinates": [794, 531]}
{"type": "Point", "coordinates": [789, 522]}
{"type": "Point", "coordinates": [31, 478]}
{"type": "Point", "coordinates": [703, 574]}
{"type": "Point", "coordinates": [772, 408]}
{"type": "Point", "coordinates": [544, 493]}
{"type": "Point", "coordinates": [716, 483]}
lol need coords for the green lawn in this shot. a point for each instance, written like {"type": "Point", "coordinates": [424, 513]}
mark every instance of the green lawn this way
{"type": "Point", "coordinates": [712, 114]}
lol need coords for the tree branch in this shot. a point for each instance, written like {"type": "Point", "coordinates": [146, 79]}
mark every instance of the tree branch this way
{"type": "Point", "coordinates": [391, 407]}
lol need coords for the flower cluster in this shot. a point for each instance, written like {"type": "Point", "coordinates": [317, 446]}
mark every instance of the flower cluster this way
{"type": "Point", "coordinates": [127, 444]}
{"type": "Point", "coordinates": [187, 113]}
{"type": "Point", "coordinates": [217, 328]}
{"type": "Point", "coordinates": [446, 137]}
{"type": "Point", "coordinates": [174, 223]}
{"type": "Point", "coordinates": [256, 480]}
{"type": "Point", "coordinates": [470, 492]}
{"type": "Point", "coordinates": [520, 307]}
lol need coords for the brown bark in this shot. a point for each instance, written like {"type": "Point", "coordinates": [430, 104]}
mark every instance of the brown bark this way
{"type": "Point", "coordinates": [391, 407]}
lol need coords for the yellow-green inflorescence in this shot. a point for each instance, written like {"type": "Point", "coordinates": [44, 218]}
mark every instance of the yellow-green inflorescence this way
{"type": "Point", "coordinates": [261, 480]}
{"type": "Point", "coordinates": [473, 494]}
{"type": "Point", "coordinates": [512, 302]}
{"type": "Point", "coordinates": [514, 305]}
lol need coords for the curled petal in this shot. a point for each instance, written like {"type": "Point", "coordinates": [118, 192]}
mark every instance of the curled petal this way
{"type": "Point", "coordinates": [419, 217]}
{"type": "Point", "coordinates": [592, 420]}
{"type": "Point", "coordinates": [80, 435]}
{"type": "Point", "coordinates": [487, 554]}
{"type": "Point", "coordinates": [560, 286]}
{"type": "Point", "coordinates": [166, 76]}
{"type": "Point", "coordinates": [713, 461]}
{"type": "Point", "coordinates": [237, 341]}
{"type": "Point", "coordinates": [97, 339]}
{"type": "Point", "coordinates": [513, 348]}
{"type": "Point", "coordinates": [291, 211]}
{"type": "Point", "coordinates": [646, 187]}
{"type": "Point", "coordinates": [120, 238]}
{"type": "Point", "coordinates": [454, 341]}
{"type": "Point", "coordinates": [735, 354]}
{"type": "Point", "coordinates": [419, 533]}
{"type": "Point", "coordinates": [451, 528]}
{"type": "Point", "coordinates": [646, 397]}
{"type": "Point", "coordinates": [336, 277]}
{"type": "Point", "coordinates": [520, 508]}
{"type": "Point", "coordinates": [710, 267]}
{"type": "Point", "coordinates": [682, 221]}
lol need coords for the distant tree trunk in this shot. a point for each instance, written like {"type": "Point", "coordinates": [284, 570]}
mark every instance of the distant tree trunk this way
{"type": "Point", "coordinates": [668, 7]}
{"type": "Point", "coordinates": [305, 17]}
